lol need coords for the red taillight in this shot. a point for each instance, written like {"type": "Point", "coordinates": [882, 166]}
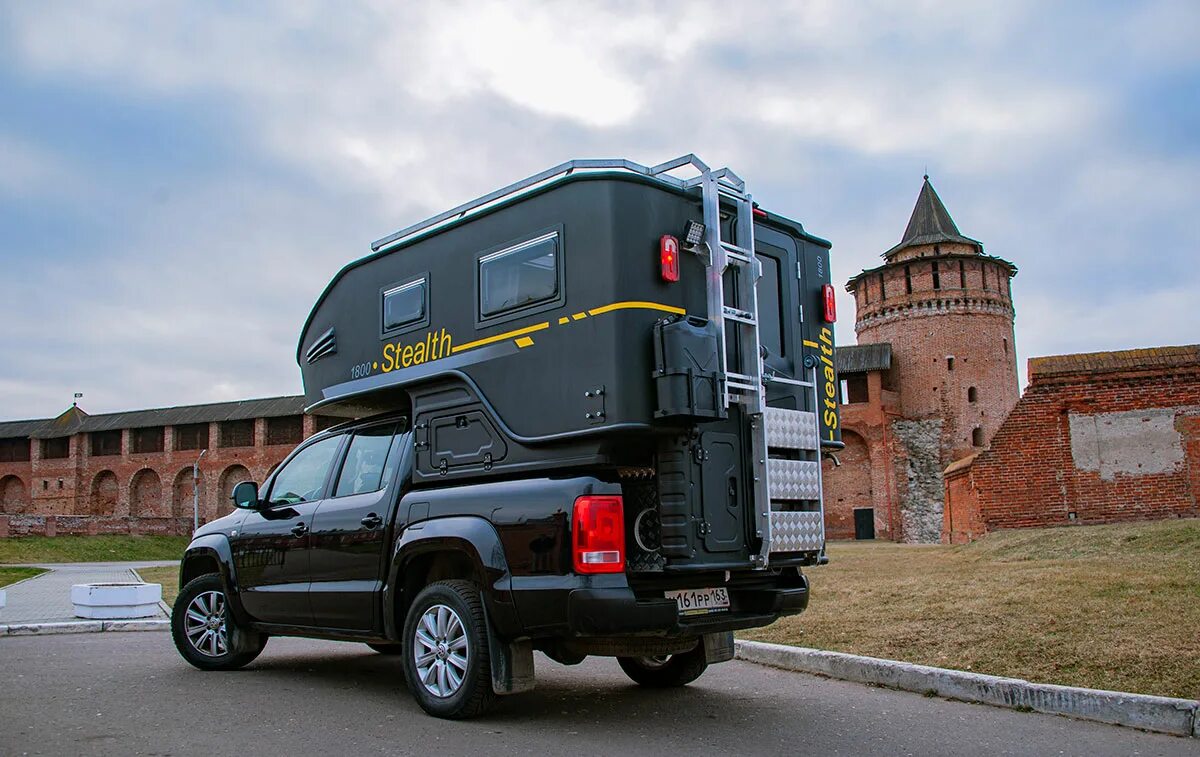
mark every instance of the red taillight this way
{"type": "Point", "coordinates": [668, 253]}
{"type": "Point", "coordinates": [830, 303]}
{"type": "Point", "coordinates": [760, 212]}
{"type": "Point", "coordinates": [598, 535]}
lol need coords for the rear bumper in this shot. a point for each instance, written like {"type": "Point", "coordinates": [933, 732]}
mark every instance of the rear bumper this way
{"type": "Point", "coordinates": [618, 611]}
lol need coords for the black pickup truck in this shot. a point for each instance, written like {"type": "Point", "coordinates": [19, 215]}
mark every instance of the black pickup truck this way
{"type": "Point", "coordinates": [568, 431]}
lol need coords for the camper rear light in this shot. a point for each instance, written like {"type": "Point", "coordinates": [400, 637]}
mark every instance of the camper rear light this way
{"type": "Point", "coordinates": [759, 212]}
{"type": "Point", "coordinates": [830, 303]}
{"type": "Point", "coordinates": [668, 253]}
{"type": "Point", "coordinates": [598, 534]}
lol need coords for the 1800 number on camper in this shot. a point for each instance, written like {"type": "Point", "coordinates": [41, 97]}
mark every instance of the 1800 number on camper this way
{"type": "Point", "coordinates": [696, 601]}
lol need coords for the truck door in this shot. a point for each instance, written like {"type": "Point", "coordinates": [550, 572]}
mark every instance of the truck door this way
{"type": "Point", "coordinates": [350, 531]}
{"type": "Point", "coordinates": [271, 549]}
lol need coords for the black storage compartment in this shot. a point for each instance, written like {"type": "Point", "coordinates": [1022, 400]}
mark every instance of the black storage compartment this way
{"type": "Point", "coordinates": [686, 377]}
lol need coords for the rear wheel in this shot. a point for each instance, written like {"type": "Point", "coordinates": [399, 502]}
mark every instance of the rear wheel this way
{"type": "Point", "coordinates": [204, 631]}
{"type": "Point", "coordinates": [665, 671]}
{"type": "Point", "coordinates": [446, 661]}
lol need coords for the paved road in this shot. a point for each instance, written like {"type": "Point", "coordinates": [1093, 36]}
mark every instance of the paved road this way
{"type": "Point", "coordinates": [129, 693]}
{"type": "Point", "coordinates": [47, 598]}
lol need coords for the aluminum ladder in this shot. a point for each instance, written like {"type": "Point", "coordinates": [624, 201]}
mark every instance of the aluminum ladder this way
{"type": "Point", "coordinates": [788, 516]}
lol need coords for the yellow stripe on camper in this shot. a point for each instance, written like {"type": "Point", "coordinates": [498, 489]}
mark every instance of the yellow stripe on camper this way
{"type": "Point", "coordinates": [500, 337]}
{"type": "Point", "coordinates": [637, 305]}
{"type": "Point", "coordinates": [579, 316]}
{"type": "Point", "coordinates": [524, 342]}
{"type": "Point", "coordinates": [563, 321]}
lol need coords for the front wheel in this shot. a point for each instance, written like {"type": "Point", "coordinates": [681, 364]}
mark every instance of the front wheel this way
{"type": "Point", "coordinates": [665, 671]}
{"type": "Point", "coordinates": [446, 660]}
{"type": "Point", "coordinates": [204, 632]}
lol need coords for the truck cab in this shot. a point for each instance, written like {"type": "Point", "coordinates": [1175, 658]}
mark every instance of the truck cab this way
{"type": "Point", "coordinates": [585, 416]}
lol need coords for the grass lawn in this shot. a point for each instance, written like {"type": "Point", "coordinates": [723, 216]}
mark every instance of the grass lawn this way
{"type": "Point", "coordinates": [168, 577]}
{"type": "Point", "coordinates": [1108, 607]}
{"type": "Point", "coordinates": [12, 575]}
{"type": "Point", "coordinates": [31, 549]}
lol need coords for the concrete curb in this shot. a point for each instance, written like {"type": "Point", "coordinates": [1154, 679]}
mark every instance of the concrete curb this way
{"type": "Point", "coordinates": [1180, 717]}
{"type": "Point", "coordinates": [83, 626]}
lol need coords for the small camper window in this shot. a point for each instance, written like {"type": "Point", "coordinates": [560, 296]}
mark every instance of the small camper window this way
{"type": "Point", "coordinates": [518, 276]}
{"type": "Point", "coordinates": [404, 305]}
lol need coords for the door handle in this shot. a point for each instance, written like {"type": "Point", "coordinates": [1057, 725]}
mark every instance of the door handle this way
{"type": "Point", "coordinates": [299, 530]}
{"type": "Point", "coordinates": [372, 521]}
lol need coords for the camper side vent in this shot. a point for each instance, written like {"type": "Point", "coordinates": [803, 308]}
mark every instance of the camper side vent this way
{"type": "Point", "coordinates": [326, 344]}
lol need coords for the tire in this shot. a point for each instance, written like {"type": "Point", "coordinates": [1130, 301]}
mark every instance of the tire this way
{"type": "Point", "coordinates": [447, 665]}
{"type": "Point", "coordinates": [388, 649]}
{"type": "Point", "coordinates": [204, 631]}
{"type": "Point", "coordinates": [665, 672]}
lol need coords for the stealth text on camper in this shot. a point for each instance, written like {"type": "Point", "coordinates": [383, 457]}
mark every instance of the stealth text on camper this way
{"type": "Point", "coordinates": [830, 415]}
{"type": "Point", "coordinates": [434, 346]}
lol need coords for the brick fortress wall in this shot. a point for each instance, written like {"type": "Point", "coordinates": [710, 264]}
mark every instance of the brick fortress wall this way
{"type": "Point", "coordinates": [1096, 438]}
{"type": "Point", "coordinates": [126, 491]}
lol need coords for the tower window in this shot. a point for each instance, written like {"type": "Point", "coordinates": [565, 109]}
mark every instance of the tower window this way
{"type": "Point", "coordinates": [937, 278]}
{"type": "Point", "coordinates": [977, 437]}
{"type": "Point", "coordinates": [882, 288]}
{"type": "Point", "coordinates": [1006, 346]}
{"type": "Point", "coordinates": [972, 394]}
{"type": "Point", "coordinates": [983, 276]}
{"type": "Point", "coordinates": [950, 363]}
{"type": "Point", "coordinates": [907, 280]}
{"type": "Point", "coordinates": [962, 275]}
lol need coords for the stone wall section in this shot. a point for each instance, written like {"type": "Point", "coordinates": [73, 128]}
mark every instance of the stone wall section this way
{"type": "Point", "coordinates": [922, 490]}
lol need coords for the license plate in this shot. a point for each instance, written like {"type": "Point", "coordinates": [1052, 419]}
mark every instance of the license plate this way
{"type": "Point", "coordinates": [700, 601]}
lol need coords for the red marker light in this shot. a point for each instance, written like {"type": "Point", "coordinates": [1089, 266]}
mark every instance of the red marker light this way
{"type": "Point", "coordinates": [760, 212]}
{"type": "Point", "coordinates": [668, 253]}
{"type": "Point", "coordinates": [598, 538]}
{"type": "Point", "coordinates": [830, 303]}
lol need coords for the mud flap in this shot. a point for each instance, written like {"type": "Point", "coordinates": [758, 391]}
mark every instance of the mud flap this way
{"type": "Point", "coordinates": [718, 647]}
{"type": "Point", "coordinates": [512, 662]}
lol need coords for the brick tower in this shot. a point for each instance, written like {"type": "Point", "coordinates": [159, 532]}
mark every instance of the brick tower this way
{"type": "Point", "coordinates": [932, 377]}
{"type": "Point", "coordinates": [946, 309]}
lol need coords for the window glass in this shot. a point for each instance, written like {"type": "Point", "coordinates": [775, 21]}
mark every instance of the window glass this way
{"type": "Point", "coordinates": [365, 462]}
{"type": "Point", "coordinates": [302, 479]}
{"type": "Point", "coordinates": [518, 276]}
{"type": "Point", "coordinates": [770, 319]}
{"type": "Point", "coordinates": [404, 305]}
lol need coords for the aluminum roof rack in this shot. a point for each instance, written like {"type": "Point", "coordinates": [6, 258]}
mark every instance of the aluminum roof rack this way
{"type": "Point", "coordinates": [660, 172]}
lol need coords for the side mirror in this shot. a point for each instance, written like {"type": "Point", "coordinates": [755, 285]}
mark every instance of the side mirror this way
{"type": "Point", "coordinates": [245, 495]}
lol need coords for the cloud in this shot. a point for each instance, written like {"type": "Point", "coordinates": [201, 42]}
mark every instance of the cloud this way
{"type": "Point", "coordinates": [180, 181]}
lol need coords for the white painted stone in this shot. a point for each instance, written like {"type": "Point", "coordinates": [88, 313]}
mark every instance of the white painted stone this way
{"type": "Point", "coordinates": [2, 599]}
{"type": "Point", "coordinates": [116, 600]}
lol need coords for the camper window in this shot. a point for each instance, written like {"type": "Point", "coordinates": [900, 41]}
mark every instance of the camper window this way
{"type": "Point", "coordinates": [404, 305]}
{"type": "Point", "coordinates": [518, 276]}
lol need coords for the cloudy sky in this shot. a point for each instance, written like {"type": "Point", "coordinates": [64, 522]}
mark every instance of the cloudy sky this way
{"type": "Point", "coordinates": [179, 181]}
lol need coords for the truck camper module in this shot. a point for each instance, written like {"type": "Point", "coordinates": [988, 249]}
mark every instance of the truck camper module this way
{"type": "Point", "coordinates": [585, 415]}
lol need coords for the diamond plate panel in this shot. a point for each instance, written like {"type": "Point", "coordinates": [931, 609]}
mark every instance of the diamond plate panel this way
{"type": "Point", "coordinates": [791, 429]}
{"type": "Point", "coordinates": [797, 532]}
{"type": "Point", "coordinates": [793, 479]}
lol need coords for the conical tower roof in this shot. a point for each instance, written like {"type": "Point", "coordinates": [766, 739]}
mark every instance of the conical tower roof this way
{"type": "Point", "coordinates": [931, 224]}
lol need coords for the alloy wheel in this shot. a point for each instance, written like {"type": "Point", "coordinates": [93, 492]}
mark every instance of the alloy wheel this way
{"type": "Point", "coordinates": [441, 651]}
{"type": "Point", "coordinates": [205, 624]}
